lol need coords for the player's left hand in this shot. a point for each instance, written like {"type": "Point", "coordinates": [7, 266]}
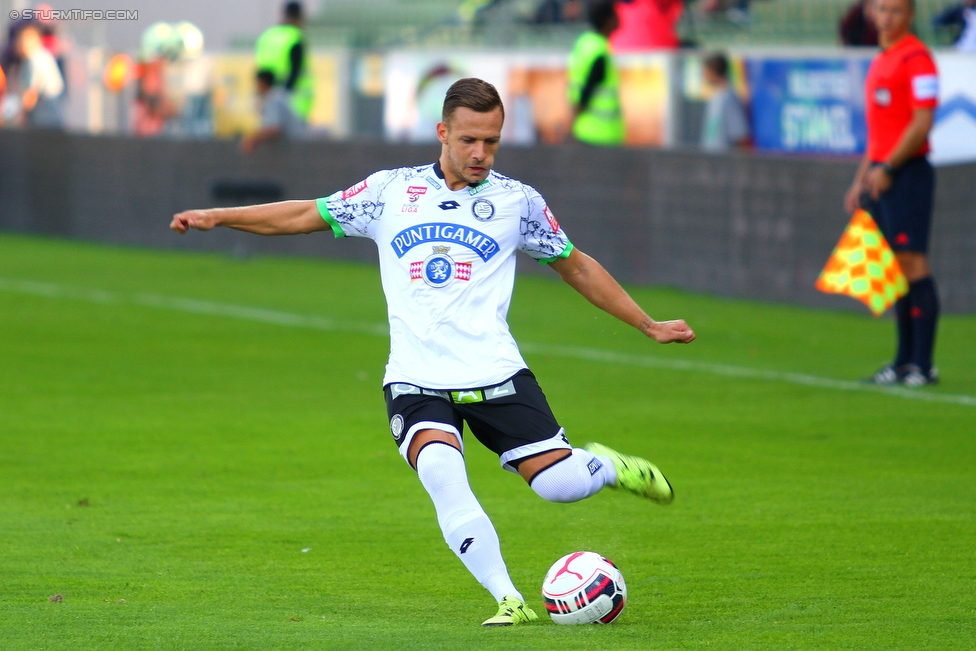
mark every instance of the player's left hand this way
{"type": "Point", "coordinates": [878, 182]}
{"type": "Point", "coordinates": [670, 332]}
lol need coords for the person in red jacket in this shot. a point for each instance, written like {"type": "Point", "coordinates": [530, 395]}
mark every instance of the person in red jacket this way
{"type": "Point", "coordinates": [896, 183]}
{"type": "Point", "coordinates": [647, 25]}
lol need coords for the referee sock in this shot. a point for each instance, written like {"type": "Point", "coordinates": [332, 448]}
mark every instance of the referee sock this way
{"type": "Point", "coordinates": [576, 477]}
{"type": "Point", "coordinates": [465, 525]}
{"type": "Point", "coordinates": [925, 317]}
{"type": "Point", "coordinates": [903, 319]}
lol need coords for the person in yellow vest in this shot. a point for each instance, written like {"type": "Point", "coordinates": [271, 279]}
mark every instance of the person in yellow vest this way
{"type": "Point", "coordinates": [594, 81]}
{"type": "Point", "coordinates": [281, 49]}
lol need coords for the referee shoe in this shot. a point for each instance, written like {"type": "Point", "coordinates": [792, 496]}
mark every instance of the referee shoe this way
{"type": "Point", "coordinates": [915, 377]}
{"type": "Point", "coordinates": [888, 376]}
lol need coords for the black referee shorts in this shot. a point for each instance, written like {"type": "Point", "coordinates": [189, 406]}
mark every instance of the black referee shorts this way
{"type": "Point", "coordinates": [512, 419]}
{"type": "Point", "coordinates": [904, 212]}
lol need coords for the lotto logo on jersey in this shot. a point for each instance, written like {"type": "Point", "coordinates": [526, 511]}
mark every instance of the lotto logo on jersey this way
{"type": "Point", "coordinates": [551, 219]}
{"type": "Point", "coordinates": [414, 192]}
{"type": "Point", "coordinates": [353, 191]}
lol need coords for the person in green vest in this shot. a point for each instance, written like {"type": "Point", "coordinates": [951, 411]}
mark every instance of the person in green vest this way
{"type": "Point", "coordinates": [281, 49]}
{"type": "Point", "coordinates": [594, 81]}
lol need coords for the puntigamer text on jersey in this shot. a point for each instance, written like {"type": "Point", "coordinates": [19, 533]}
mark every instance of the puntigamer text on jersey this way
{"type": "Point", "coordinates": [475, 240]}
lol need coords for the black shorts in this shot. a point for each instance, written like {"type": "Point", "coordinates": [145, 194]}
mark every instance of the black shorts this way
{"type": "Point", "coordinates": [512, 419]}
{"type": "Point", "coordinates": [904, 212]}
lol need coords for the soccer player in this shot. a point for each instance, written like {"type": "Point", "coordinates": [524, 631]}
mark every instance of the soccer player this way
{"type": "Point", "coordinates": [447, 234]}
{"type": "Point", "coordinates": [896, 183]}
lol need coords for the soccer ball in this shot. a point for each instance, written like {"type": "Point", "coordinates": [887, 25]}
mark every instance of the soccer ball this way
{"type": "Point", "coordinates": [584, 588]}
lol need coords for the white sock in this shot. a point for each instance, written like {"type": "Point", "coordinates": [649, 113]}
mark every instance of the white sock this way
{"type": "Point", "coordinates": [466, 527]}
{"type": "Point", "coordinates": [575, 478]}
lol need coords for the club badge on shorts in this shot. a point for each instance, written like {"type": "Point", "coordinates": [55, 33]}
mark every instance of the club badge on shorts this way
{"type": "Point", "coordinates": [439, 269]}
{"type": "Point", "coordinates": [396, 428]}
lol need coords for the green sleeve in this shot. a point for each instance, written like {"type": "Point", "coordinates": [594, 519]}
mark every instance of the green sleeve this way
{"type": "Point", "coordinates": [564, 254]}
{"type": "Point", "coordinates": [324, 212]}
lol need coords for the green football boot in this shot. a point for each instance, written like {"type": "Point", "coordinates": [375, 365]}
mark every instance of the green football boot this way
{"type": "Point", "coordinates": [511, 611]}
{"type": "Point", "coordinates": [637, 475]}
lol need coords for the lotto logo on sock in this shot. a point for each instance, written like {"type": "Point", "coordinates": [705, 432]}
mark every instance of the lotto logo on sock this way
{"type": "Point", "coordinates": [467, 543]}
{"type": "Point", "coordinates": [594, 466]}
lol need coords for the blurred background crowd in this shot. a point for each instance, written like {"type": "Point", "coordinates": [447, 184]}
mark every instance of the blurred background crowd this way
{"type": "Point", "coordinates": [780, 75]}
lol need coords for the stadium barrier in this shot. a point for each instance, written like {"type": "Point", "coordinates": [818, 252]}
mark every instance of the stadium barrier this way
{"type": "Point", "coordinates": [737, 225]}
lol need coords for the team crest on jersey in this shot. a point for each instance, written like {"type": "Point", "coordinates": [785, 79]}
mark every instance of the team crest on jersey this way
{"type": "Point", "coordinates": [414, 192]}
{"type": "Point", "coordinates": [882, 97]}
{"type": "Point", "coordinates": [551, 219]}
{"type": "Point", "coordinates": [483, 210]}
{"type": "Point", "coordinates": [353, 191]}
{"type": "Point", "coordinates": [439, 269]}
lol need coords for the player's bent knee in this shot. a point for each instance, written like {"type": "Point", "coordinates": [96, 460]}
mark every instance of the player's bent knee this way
{"type": "Point", "coordinates": [567, 480]}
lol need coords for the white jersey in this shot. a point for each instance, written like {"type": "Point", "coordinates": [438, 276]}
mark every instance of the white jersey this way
{"type": "Point", "coordinates": [447, 261]}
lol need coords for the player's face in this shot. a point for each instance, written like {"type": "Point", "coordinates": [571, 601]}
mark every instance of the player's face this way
{"type": "Point", "coordinates": [469, 142]}
{"type": "Point", "coordinates": [893, 18]}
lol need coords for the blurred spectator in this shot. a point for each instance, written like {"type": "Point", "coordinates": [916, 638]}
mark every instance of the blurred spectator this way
{"type": "Point", "coordinates": [559, 11]}
{"type": "Point", "coordinates": [736, 11]}
{"type": "Point", "coordinates": [152, 107]}
{"type": "Point", "coordinates": [725, 125]}
{"type": "Point", "coordinates": [49, 36]}
{"type": "Point", "coordinates": [41, 81]}
{"type": "Point", "coordinates": [594, 81]}
{"type": "Point", "coordinates": [647, 25]}
{"type": "Point", "coordinates": [278, 118]}
{"type": "Point", "coordinates": [281, 50]}
{"type": "Point", "coordinates": [190, 86]}
{"type": "Point", "coordinates": [961, 17]}
{"type": "Point", "coordinates": [857, 27]}
{"type": "Point", "coordinates": [9, 56]}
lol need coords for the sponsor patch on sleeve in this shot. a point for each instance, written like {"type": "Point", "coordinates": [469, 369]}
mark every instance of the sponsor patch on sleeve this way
{"type": "Point", "coordinates": [925, 87]}
{"type": "Point", "coordinates": [551, 219]}
{"type": "Point", "coordinates": [354, 190]}
{"type": "Point", "coordinates": [594, 466]}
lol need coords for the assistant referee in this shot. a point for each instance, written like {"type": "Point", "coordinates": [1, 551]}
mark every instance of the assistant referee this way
{"type": "Point", "coordinates": [896, 183]}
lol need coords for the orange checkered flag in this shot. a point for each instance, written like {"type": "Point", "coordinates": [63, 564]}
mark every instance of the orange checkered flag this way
{"type": "Point", "coordinates": [864, 267]}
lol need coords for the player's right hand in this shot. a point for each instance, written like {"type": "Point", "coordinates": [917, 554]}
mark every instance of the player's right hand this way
{"type": "Point", "coordinates": [671, 332]}
{"type": "Point", "coordinates": [202, 220]}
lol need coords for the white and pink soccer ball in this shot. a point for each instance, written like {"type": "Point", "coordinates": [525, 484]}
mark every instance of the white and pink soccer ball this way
{"type": "Point", "coordinates": [584, 588]}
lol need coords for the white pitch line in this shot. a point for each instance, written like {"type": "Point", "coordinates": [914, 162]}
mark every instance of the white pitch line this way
{"type": "Point", "coordinates": [293, 320]}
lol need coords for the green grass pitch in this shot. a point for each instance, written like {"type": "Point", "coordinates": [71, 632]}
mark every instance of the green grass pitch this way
{"type": "Point", "coordinates": [194, 454]}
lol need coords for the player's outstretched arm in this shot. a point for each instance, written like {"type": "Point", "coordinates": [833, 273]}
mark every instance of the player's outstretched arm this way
{"type": "Point", "coordinates": [589, 278]}
{"type": "Point", "coordinates": [280, 218]}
